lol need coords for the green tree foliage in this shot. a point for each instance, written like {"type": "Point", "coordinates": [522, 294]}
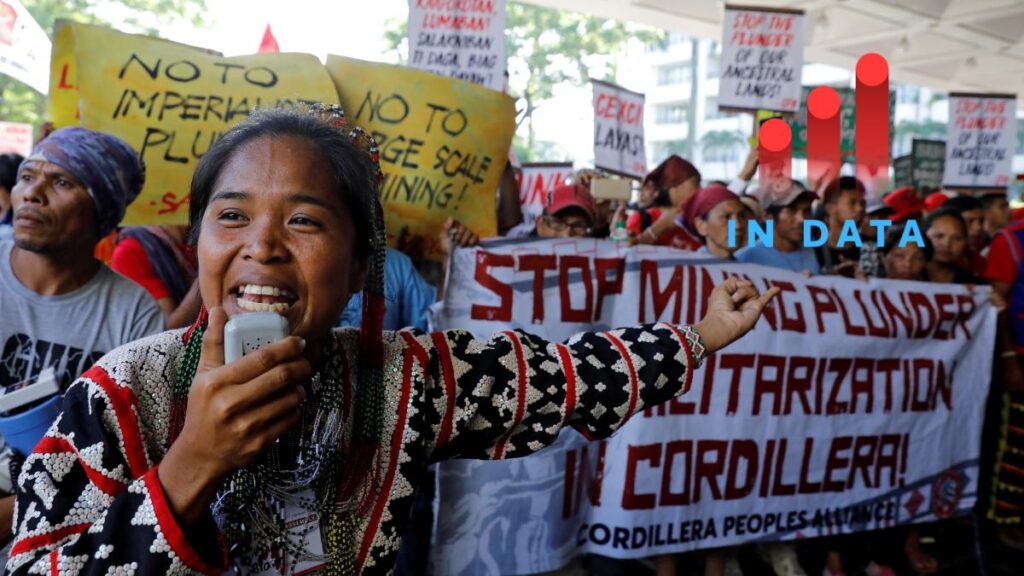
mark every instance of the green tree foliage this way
{"type": "Point", "coordinates": [19, 103]}
{"type": "Point", "coordinates": [546, 48]}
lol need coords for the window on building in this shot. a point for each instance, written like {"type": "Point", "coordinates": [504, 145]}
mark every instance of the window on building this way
{"type": "Point", "coordinates": [670, 114]}
{"type": "Point", "coordinates": [711, 109]}
{"type": "Point", "coordinates": [676, 38]}
{"type": "Point", "coordinates": [713, 66]}
{"type": "Point", "coordinates": [907, 94]}
{"type": "Point", "coordinates": [662, 150]}
{"type": "Point", "coordinates": [724, 155]}
{"type": "Point", "coordinates": [668, 41]}
{"type": "Point", "coordinates": [673, 75]}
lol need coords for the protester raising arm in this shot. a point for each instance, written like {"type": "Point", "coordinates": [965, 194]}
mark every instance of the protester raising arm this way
{"type": "Point", "coordinates": [505, 397]}
{"type": "Point", "coordinates": [125, 479]}
{"type": "Point", "coordinates": [511, 395]}
{"type": "Point", "coordinates": [739, 184]}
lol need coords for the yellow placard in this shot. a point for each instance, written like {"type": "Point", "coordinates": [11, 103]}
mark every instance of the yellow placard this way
{"type": "Point", "coordinates": [171, 102]}
{"type": "Point", "coordinates": [62, 103]}
{"type": "Point", "coordinates": [444, 144]}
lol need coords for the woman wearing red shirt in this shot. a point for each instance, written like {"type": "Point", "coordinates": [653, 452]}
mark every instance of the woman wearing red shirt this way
{"type": "Point", "coordinates": [159, 259]}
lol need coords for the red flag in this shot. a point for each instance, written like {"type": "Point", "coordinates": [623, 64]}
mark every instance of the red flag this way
{"type": "Point", "coordinates": [269, 43]}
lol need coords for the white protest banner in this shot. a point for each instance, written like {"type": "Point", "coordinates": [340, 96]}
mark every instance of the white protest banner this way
{"type": "Point", "coordinates": [463, 39]}
{"type": "Point", "coordinates": [762, 59]}
{"type": "Point", "coordinates": [536, 181]}
{"type": "Point", "coordinates": [15, 138]}
{"type": "Point", "coordinates": [851, 406]}
{"type": "Point", "coordinates": [981, 140]}
{"type": "Point", "coordinates": [24, 47]}
{"type": "Point", "coordinates": [619, 130]}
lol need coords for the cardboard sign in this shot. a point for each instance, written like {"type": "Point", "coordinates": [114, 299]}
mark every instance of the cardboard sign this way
{"type": "Point", "coordinates": [762, 59]}
{"type": "Point", "coordinates": [62, 100]}
{"type": "Point", "coordinates": [929, 163]}
{"type": "Point", "coordinates": [619, 130]}
{"type": "Point", "coordinates": [536, 181]}
{"type": "Point", "coordinates": [610, 189]}
{"type": "Point", "coordinates": [444, 144]}
{"type": "Point", "coordinates": [15, 138]}
{"type": "Point", "coordinates": [24, 46]}
{"type": "Point", "coordinates": [462, 39]}
{"type": "Point", "coordinates": [172, 102]}
{"type": "Point", "coordinates": [981, 140]}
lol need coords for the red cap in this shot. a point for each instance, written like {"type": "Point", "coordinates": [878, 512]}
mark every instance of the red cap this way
{"type": "Point", "coordinates": [905, 203]}
{"type": "Point", "coordinates": [706, 199]}
{"type": "Point", "coordinates": [571, 196]}
{"type": "Point", "coordinates": [935, 200]}
{"type": "Point", "coordinates": [672, 172]}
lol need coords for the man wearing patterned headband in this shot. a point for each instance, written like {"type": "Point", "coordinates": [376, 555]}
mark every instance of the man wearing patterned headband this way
{"type": "Point", "coordinates": [61, 308]}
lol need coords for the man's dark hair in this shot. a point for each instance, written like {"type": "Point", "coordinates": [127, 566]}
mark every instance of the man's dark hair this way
{"type": "Point", "coordinates": [9, 164]}
{"type": "Point", "coordinates": [987, 200]}
{"type": "Point", "coordinates": [944, 212]}
{"type": "Point", "coordinates": [352, 170]}
{"type": "Point", "coordinates": [892, 240]}
{"type": "Point", "coordinates": [961, 204]}
{"type": "Point", "coordinates": [839, 185]}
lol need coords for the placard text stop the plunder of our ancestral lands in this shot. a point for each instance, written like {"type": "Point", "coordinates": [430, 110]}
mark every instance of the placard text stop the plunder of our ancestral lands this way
{"type": "Point", "coordinates": [762, 59]}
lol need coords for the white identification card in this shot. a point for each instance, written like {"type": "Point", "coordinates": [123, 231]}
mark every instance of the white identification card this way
{"type": "Point", "coordinates": [303, 529]}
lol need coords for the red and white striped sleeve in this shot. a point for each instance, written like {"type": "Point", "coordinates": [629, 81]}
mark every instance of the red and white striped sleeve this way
{"type": "Point", "coordinates": [512, 394]}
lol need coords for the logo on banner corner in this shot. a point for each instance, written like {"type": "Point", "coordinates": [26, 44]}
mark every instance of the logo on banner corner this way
{"type": "Point", "coordinates": [947, 491]}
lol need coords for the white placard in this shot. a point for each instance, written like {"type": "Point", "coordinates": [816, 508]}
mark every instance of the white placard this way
{"type": "Point", "coordinates": [762, 60]}
{"type": "Point", "coordinates": [619, 130]}
{"type": "Point", "coordinates": [536, 181]}
{"type": "Point", "coordinates": [463, 39]}
{"type": "Point", "coordinates": [981, 140]}
{"type": "Point", "coordinates": [24, 47]}
{"type": "Point", "coordinates": [15, 138]}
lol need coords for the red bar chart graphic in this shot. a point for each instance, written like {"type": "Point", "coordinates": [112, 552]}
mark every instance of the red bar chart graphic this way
{"type": "Point", "coordinates": [775, 152]}
{"type": "Point", "coordinates": [823, 132]}
{"type": "Point", "coordinates": [872, 122]}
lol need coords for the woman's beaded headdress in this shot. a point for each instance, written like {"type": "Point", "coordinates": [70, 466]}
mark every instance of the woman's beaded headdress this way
{"type": "Point", "coordinates": [369, 408]}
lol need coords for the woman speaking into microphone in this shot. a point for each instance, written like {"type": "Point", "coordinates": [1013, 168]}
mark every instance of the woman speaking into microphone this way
{"type": "Point", "coordinates": [303, 455]}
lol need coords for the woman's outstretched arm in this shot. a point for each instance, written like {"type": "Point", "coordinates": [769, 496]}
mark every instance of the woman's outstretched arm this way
{"type": "Point", "coordinates": [512, 394]}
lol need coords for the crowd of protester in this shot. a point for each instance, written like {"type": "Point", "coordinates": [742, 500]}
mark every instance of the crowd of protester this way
{"type": "Point", "coordinates": [62, 306]}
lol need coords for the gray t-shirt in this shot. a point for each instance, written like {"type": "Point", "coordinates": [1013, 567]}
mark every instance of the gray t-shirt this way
{"type": "Point", "coordinates": [71, 331]}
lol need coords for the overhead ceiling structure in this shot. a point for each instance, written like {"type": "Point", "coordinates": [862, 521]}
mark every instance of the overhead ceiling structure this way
{"type": "Point", "coordinates": [945, 45]}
